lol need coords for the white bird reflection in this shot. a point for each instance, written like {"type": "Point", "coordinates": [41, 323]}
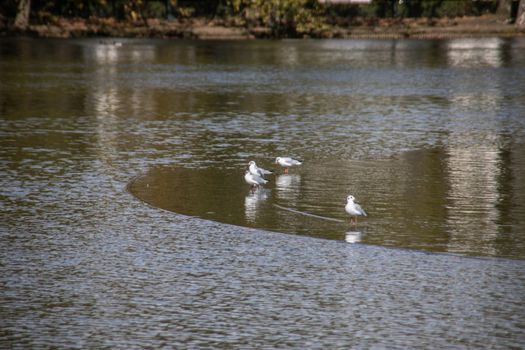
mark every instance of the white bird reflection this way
{"type": "Point", "coordinates": [288, 186]}
{"type": "Point", "coordinates": [353, 237]}
{"type": "Point", "coordinates": [252, 202]}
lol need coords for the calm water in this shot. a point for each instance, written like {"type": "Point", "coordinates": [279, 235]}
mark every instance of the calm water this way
{"type": "Point", "coordinates": [125, 221]}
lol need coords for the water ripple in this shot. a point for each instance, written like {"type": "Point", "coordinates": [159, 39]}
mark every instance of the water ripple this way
{"type": "Point", "coordinates": [435, 127]}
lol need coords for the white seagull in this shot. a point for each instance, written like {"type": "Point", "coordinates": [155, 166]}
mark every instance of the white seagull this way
{"type": "Point", "coordinates": [255, 170]}
{"type": "Point", "coordinates": [287, 162]}
{"type": "Point", "coordinates": [253, 180]}
{"type": "Point", "coordinates": [353, 209]}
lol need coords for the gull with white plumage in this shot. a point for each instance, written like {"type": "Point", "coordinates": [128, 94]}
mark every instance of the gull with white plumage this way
{"type": "Point", "coordinates": [353, 209]}
{"type": "Point", "coordinates": [287, 162]}
{"type": "Point", "coordinates": [253, 180]}
{"type": "Point", "coordinates": [255, 170]}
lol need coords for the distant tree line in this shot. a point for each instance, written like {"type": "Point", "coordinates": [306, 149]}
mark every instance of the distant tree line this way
{"type": "Point", "coordinates": [280, 15]}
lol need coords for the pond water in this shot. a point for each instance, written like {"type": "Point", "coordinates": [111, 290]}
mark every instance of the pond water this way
{"type": "Point", "coordinates": [126, 221]}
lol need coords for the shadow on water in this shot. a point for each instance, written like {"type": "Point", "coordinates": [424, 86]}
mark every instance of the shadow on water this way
{"type": "Point", "coordinates": [433, 200]}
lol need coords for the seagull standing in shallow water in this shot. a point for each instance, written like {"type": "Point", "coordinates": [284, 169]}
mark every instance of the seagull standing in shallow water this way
{"type": "Point", "coordinates": [287, 162]}
{"type": "Point", "coordinates": [253, 180]}
{"type": "Point", "coordinates": [353, 209]}
{"type": "Point", "coordinates": [255, 170]}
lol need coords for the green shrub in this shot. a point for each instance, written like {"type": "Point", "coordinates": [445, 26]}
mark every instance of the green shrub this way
{"type": "Point", "coordinates": [283, 17]}
{"type": "Point", "coordinates": [455, 8]}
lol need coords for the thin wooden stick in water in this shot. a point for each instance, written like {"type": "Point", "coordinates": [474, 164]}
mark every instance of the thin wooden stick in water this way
{"type": "Point", "coordinates": [307, 214]}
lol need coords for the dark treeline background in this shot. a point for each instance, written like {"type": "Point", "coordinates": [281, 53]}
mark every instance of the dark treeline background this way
{"type": "Point", "coordinates": [280, 15]}
{"type": "Point", "coordinates": [126, 9]}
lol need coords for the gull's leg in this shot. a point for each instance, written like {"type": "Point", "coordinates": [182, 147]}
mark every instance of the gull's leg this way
{"type": "Point", "coordinates": [286, 170]}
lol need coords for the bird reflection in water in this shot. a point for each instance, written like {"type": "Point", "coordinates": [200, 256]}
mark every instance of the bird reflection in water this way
{"type": "Point", "coordinates": [252, 202]}
{"type": "Point", "coordinates": [353, 237]}
{"type": "Point", "coordinates": [288, 186]}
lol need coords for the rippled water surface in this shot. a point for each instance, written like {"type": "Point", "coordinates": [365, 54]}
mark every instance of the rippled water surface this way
{"type": "Point", "coordinates": [125, 221]}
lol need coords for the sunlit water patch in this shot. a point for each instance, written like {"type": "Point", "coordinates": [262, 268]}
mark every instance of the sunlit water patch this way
{"type": "Point", "coordinates": [436, 200]}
